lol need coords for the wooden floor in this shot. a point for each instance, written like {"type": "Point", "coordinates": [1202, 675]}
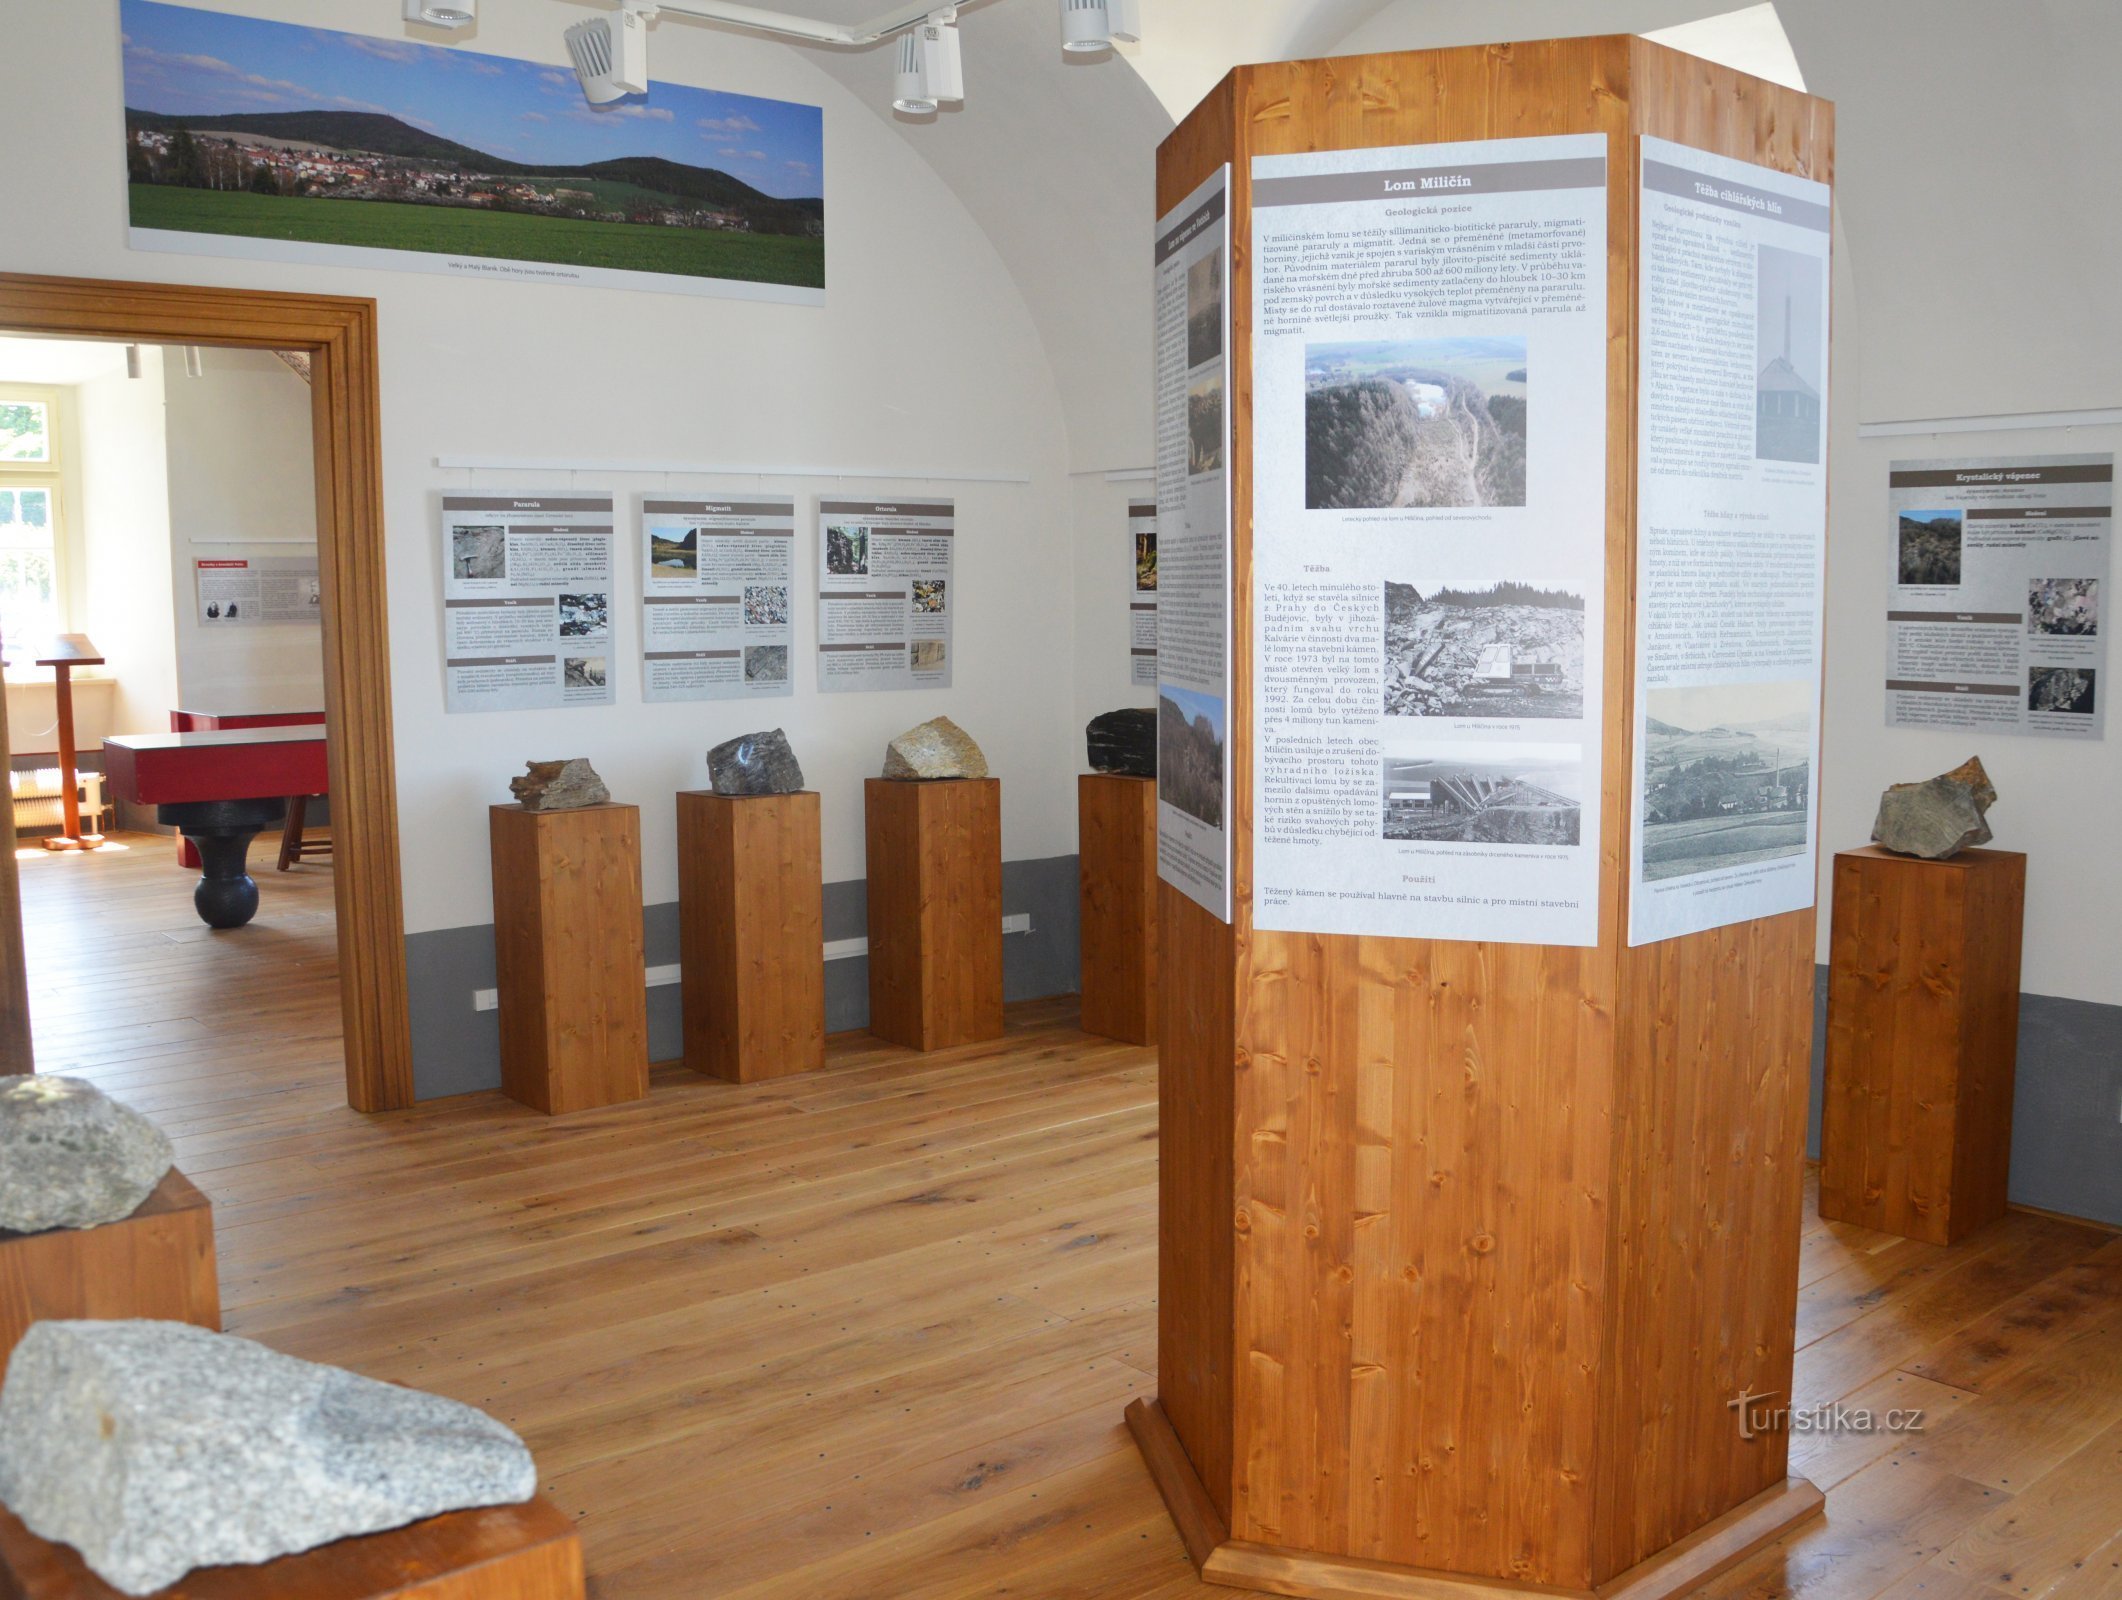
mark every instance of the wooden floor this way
{"type": "Point", "coordinates": [869, 1333]}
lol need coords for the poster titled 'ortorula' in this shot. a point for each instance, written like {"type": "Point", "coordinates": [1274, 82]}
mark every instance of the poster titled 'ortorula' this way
{"type": "Point", "coordinates": [278, 142]}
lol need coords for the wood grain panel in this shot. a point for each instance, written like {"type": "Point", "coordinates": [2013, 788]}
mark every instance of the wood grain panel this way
{"type": "Point", "coordinates": [751, 931]}
{"type": "Point", "coordinates": [1713, 1037]}
{"type": "Point", "coordinates": [346, 424]}
{"type": "Point", "coordinates": [568, 956]}
{"type": "Point", "coordinates": [526, 1552]}
{"type": "Point", "coordinates": [934, 859]}
{"type": "Point", "coordinates": [158, 1262]}
{"type": "Point", "coordinates": [1922, 1040]}
{"type": "Point", "coordinates": [1117, 855]}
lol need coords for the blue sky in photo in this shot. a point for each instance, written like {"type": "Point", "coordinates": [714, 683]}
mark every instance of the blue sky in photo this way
{"type": "Point", "coordinates": [179, 60]}
{"type": "Point", "coordinates": [1195, 704]}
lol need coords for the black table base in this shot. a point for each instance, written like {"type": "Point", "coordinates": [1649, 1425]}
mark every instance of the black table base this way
{"type": "Point", "coordinates": [221, 831]}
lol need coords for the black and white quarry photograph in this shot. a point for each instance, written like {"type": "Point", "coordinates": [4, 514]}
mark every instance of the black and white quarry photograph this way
{"type": "Point", "coordinates": [1503, 649]}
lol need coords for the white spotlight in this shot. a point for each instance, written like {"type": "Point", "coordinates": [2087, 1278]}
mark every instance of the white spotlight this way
{"type": "Point", "coordinates": [931, 69]}
{"type": "Point", "coordinates": [442, 13]}
{"type": "Point", "coordinates": [1088, 26]}
{"type": "Point", "coordinates": [194, 361]}
{"type": "Point", "coordinates": [610, 54]}
{"type": "Point", "coordinates": [132, 361]}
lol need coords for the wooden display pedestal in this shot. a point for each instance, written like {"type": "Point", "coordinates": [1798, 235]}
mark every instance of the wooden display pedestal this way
{"type": "Point", "coordinates": [526, 1552]}
{"type": "Point", "coordinates": [157, 1263]}
{"type": "Point", "coordinates": [935, 910]}
{"type": "Point", "coordinates": [751, 920]}
{"type": "Point", "coordinates": [1465, 1248]}
{"type": "Point", "coordinates": [1922, 1039]}
{"type": "Point", "coordinates": [568, 956]}
{"type": "Point", "coordinates": [1116, 843]}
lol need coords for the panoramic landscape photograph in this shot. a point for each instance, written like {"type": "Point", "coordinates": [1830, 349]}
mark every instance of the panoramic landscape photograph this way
{"type": "Point", "coordinates": [448, 153]}
{"type": "Point", "coordinates": [1727, 776]}
{"type": "Point", "coordinates": [1418, 423]}
{"type": "Point", "coordinates": [1483, 650]}
{"type": "Point", "coordinates": [1930, 547]}
{"type": "Point", "coordinates": [1532, 794]}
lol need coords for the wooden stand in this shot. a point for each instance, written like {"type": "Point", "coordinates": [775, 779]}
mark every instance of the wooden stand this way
{"type": "Point", "coordinates": [751, 928]}
{"type": "Point", "coordinates": [1116, 834]}
{"type": "Point", "coordinates": [1466, 1249]}
{"type": "Point", "coordinates": [526, 1552]}
{"type": "Point", "coordinates": [158, 1262]}
{"type": "Point", "coordinates": [568, 955]}
{"type": "Point", "coordinates": [935, 911]}
{"type": "Point", "coordinates": [68, 651]}
{"type": "Point", "coordinates": [1922, 1039]}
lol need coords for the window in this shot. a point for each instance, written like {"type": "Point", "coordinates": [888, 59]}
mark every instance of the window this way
{"type": "Point", "coordinates": [31, 605]}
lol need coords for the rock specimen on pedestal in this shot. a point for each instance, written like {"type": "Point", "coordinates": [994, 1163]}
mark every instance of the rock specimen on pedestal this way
{"type": "Point", "coordinates": [1939, 817]}
{"type": "Point", "coordinates": [1124, 741]}
{"type": "Point", "coordinates": [72, 1157]}
{"type": "Point", "coordinates": [559, 786]}
{"type": "Point", "coordinates": [939, 748]}
{"type": "Point", "coordinates": [156, 1447]}
{"type": "Point", "coordinates": [757, 763]}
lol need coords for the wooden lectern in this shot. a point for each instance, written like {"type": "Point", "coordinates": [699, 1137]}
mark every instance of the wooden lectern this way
{"type": "Point", "coordinates": [1467, 1249]}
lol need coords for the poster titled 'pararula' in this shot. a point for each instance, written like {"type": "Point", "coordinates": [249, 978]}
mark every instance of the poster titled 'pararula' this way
{"type": "Point", "coordinates": [277, 142]}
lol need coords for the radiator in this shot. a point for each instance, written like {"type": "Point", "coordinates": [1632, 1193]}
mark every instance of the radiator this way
{"type": "Point", "coordinates": [36, 795]}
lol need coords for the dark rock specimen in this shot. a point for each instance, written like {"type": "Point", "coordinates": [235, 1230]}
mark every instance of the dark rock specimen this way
{"type": "Point", "coordinates": [1939, 817]}
{"type": "Point", "coordinates": [1124, 741]}
{"type": "Point", "coordinates": [756, 763]}
{"type": "Point", "coordinates": [559, 786]}
{"type": "Point", "coordinates": [939, 748]}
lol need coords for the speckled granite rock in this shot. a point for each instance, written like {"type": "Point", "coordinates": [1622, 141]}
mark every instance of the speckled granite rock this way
{"type": "Point", "coordinates": [1939, 817]}
{"type": "Point", "coordinates": [939, 748]}
{"type": "Point", "coordinates": [156, 1447]}
{"type": "Point", "coordinates": [757, 763]}
{"type": "Point", "coordinates": [559, 786]}
{"type": "Point", "coordinates": [72, 1157]}
{"type": "Point", "coordinates": [1124, 741]}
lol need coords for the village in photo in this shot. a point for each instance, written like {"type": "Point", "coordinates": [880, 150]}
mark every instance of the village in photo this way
{"type": "Point", "coordinates": [1727, 775]}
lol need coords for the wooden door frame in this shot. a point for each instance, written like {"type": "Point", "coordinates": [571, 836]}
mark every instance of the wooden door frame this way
{"type": "Point", "coordinates": [346, 429]}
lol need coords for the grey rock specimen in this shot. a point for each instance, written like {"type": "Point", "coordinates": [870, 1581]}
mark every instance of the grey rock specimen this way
{"type": "Point", "coordinates": [1939, 817]}
{"type": "Point", "coordinates": [1124, 741]}
{"type": "Point", "coordinates": [757, 763]}
{"type": "Point", "coordinates": [156, 1447]}
{"type": "Point", "coordinates": [939, 748]}
{"type": "Point", "coordinates": [72, 1157]}
{"type": "Point", "coordinates": [559, 786]}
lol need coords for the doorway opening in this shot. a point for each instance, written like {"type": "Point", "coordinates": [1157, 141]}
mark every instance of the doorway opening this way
{"type": "Point", "coordinates": [227, 701]}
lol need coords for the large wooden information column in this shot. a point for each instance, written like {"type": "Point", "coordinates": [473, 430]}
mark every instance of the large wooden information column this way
{"type": "Point", "coordinates": [1468, 1249]}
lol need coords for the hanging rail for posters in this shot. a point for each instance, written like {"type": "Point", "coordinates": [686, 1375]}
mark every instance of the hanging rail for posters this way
{"type": "Point", "coordinates": [721, 469]}
{"type": "Point", "coordinates": [2011, 423]}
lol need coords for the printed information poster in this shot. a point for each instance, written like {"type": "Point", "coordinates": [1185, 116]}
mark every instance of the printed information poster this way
{"type": "Point", "coordinates": [1999, 570]}
{"type": "Point", "coordinates": [1142, 602]}
{"type": "Point", "coordinates": [1731, 542]}
{"type": "Point", "coordinates": [243, 591]}
{"type": "Point", "coordinates": [1429, 392]}
{"type": "Point", "coordinates": [884, 594]}
{"type": "Point", "coordinates": [717, 578]}
{"type": "Point", "coordinates": [1193, 522]}
{"type": "Point", "coordinates": [527, 600]}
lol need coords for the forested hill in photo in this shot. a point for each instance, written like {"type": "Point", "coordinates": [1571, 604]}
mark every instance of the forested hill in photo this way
{"type": "Point", "coordinates": [428, 166]}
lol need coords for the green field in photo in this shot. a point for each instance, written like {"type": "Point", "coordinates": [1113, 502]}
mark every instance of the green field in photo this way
{"type": "Point", "coordinates": [511, 236]}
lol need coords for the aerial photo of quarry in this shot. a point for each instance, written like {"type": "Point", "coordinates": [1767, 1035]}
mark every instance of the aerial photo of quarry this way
{"type": "Point", "coordinates": [1499, 650]}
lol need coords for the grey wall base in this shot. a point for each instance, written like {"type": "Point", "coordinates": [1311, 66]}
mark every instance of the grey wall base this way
{"type": "Point", "coordinates": [457, 1050]}
{"type": "Point", "coordinates": [2066, 1121]}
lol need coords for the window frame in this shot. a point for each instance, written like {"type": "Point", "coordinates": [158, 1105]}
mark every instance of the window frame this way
{"type": "Point", "coordinates": [50, 476]}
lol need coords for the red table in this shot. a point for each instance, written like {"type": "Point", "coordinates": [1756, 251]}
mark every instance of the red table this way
{"type": "Point", "coordinates": [218, 789]}
{"type": "Point", "coordinates": [292, 847]}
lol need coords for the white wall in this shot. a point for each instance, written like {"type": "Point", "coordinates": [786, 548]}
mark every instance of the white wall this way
{"type": "Point", "coordinates": [528, 370]}
{"type": "Point", "coordinates": [125, 599]}
{"type": "Point", "coordinates": [241, 485]}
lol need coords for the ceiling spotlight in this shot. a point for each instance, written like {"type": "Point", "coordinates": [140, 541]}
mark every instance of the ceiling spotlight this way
{"type": "Point", "coordinates": [442, 13]}
{"type": "Point", "coordinates": [931, 67]}
{"type": "Point", "coordinates": [610, 54]}
{"type": "Point", "coordinates": [1088, 26]}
